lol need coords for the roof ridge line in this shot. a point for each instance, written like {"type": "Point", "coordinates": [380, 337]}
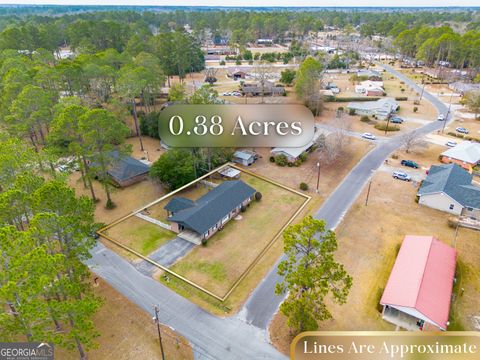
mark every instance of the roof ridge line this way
{"type": "Point", "coordinates": [424, 269]}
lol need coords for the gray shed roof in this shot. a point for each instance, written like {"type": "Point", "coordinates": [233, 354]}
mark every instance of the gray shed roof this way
{"type": "Point", "coordinates": [455, 182]}
{"type": "Point", "coordinates": [212, 207]}
{"type": "Point", "coordinates": [126, 167]}
{"type": "Point", "coordinates": [178, 204]}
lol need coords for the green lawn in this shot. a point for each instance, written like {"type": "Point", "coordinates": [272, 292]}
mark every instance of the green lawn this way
{"type": "Point", "coordinates": [140, 235]}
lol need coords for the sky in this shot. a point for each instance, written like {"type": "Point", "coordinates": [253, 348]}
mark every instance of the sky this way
{"type": "Point", "coordinates": [337, 3]}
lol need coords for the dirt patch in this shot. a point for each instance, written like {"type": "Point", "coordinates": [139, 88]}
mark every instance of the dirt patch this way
{"type": "Point", "coordinates": [128, 332]}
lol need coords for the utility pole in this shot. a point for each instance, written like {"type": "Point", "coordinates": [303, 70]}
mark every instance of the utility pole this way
{"type": "Point", "coordinates": [423, 89]}
{"type": "Point", "coordinates": [318, 177]}
{"type": "Point", "coordinates": [388, 123]}
{"type": "Point", "coordinates": [157, 321]}
{"type": "Point", "coordinates": [448, 112]}
{"type": "Point", "coordinates": [368, 192]}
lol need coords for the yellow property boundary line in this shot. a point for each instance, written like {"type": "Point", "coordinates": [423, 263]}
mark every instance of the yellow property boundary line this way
{"type": "Point", "coordinates": [100, 232]}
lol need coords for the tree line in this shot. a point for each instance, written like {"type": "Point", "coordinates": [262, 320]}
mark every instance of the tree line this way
{"type": "Point", "coordinates": [435, 44]}
{"type": "Point", "coordinates": [45, 235]}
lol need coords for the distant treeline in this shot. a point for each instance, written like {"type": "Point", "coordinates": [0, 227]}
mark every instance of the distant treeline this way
{"type": "Point", "coordinates": [104, 27]}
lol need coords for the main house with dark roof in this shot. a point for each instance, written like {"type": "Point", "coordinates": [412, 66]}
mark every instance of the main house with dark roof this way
{"type": "Point", "coordinates": [449, 188]}
{"type": "Point", "coordinates": [198, 220]}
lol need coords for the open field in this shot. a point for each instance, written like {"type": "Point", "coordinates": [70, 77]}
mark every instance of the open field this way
{"type": "Point", "coordinates": [117, 320]}
{"type": "Point", "coordinates": [368, 245]}
{"type": "Point", "coordinates": [229, 252]}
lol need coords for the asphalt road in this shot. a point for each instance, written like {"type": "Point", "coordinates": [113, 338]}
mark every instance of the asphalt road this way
{"type": "Point", "coordinates": [263, 303]}
{"type": "Point", "coordinates": [244, 335]}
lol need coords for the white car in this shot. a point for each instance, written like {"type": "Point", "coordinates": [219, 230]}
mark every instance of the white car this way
{"type": "Point", "coordinates": [226, 94]}
{"type": "Point", "coordinates": [236, 93]}
{"type": "Point", "coordinates": [451, 143]}
{"type": "Point", "coordinates": [400, 175]}
{"type": "Point", "coordinates": [441, 117]}
{"type": "Point", "coordinates": [368, 136]}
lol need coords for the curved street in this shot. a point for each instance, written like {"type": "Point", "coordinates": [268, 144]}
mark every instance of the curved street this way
{"type": "Point", "coordinates": [245, 335]}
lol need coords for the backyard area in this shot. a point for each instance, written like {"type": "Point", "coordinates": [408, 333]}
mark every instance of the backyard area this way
{"type": "Point", "coordinates": [369, 256]}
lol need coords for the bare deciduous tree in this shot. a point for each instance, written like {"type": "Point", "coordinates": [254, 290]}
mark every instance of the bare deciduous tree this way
{"type": "Point", "coordinates": [412, 140]}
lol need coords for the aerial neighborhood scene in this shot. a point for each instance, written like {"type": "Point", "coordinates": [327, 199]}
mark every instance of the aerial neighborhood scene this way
{"type": "Point", "coordinates": [117, 245]}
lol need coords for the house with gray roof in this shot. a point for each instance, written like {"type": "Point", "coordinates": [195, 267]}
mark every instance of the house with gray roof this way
{"type": "Point", "coordinates": [126, 170]}
{"type": "Point", "coordinates": [198, 220]}
{"type": "Point", "coordinates": [381, 108]}
{"type": "Point", "coordinates": [449, 188]}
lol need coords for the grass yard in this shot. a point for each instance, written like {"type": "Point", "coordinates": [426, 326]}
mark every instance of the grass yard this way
{"type": "Point", "coordinates": [128, 332]}
{"type": "Point", "coordinates": [229, 252]}
{"type": "Point", "coordinates": [140, 235]}
{"type": "Point", "coordinates": [369, 238]}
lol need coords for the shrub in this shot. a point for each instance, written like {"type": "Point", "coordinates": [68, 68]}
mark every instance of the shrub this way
{"type": "Point", "coordinates": [303, 186]}
{"type": "Point", "coordinates": [302, 157]}
{"type": "Point", "coordinates": [297, 162]}
{"type": "Point", "coordinates": [341, 108]}
{"type": "Point", "coordinates": [243, 208]}
{"type": "Point", "coordinates": [395, 156]}
{"type": "Point", "coordinates": [365, 119]}
{"type": "Point", "coordinates": [289, 164]}
{"type": "Point", "coordinates": [415, 109]}
{"type": "Point", "coordinates": [416, 102]}
{"type": "Point", "coordinates": [222, 62]}
{"type": "Point", "coordinates": [258, 196]}
{"type": "Point", "coordinates": [351, 112]}
{"type": "Point", "coordinates": [401, 98]}
{"type": "Point", "coordinates": [272, 159]}
{"type": "Point", "coordinates": [383, 126]}
{"type": "Point", "coordinates": [238, 62]}
{"type": "Point", "coordinates": [281, 160]}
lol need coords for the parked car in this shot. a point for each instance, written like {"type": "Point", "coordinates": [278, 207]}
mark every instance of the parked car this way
{"type": "Point", "coordinates": [441, 117]}
{"type": "Point", "coordinates": [335, 90]}
{"type": "Point", "coordinates": [368, 136]}
{"type": "Point", "coordinates": [462, 130]}
{"type": "Point", "coordinates": [451, 143]}
{"type": "Point", "coordinates": [396, 120]}
{"type": "Point", "coordinates": [226, 94]}
{"type": "Point", "coordinates": [400, 175]}
{"type": "Point", "coordinates": [409, 163]}
{"type": "Point", "coordinates": [236, 93]}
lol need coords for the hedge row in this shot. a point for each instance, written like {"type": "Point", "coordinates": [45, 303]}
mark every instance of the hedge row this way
{"type": "Point", "coordinates": [349, 99]}
{"type": "Point", "coordinates": [401, 98]}
{"type": "Point", "coordinates": [465, 137]}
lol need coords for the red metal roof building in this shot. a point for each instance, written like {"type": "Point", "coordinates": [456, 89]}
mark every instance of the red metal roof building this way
{"type": "Point", "coordinates": [419, 290]}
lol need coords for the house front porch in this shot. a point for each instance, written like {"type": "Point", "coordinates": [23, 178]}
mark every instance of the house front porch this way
{"type": "Point", "coordinates": [401, 319]}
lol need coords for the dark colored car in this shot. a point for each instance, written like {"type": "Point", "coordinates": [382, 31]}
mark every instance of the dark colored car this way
{"type": "Point", "coordinates": [410, 163]}
{"type": "Point", "coordinates": [396, 120]}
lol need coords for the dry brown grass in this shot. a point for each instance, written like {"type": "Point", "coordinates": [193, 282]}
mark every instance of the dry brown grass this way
{"type": "Point", "coordinates": [368, 240]}
{"type": "Point", "coordinates": [127, 332]}
{"type": "Point", "coordinates": [229, 252]}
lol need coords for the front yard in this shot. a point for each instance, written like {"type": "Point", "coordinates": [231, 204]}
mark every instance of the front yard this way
{"type": "Point", "coordinates": [229, 253]}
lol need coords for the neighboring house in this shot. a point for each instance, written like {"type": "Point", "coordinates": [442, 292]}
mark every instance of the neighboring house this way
{"type": "Point", "coordinates": [419, 290]}
{"type": "Point", "coordinates": [244, 157]}
{"type": "Point", "coordinates": [370, 88]}
{"type": "Point", "coordinates": [465, 154]}
{"type": "Point", "coordinates": [126, 170]}
{"type": "Point", "coordinates": [382, 108]}
{"type": "Point", "coordinates": [370, 75]}
{"type": "Point", "coordinates": [449, 188]}
{"type": "Point", "coordinates": [264, 41]}
{"type": "Point", "coordinates": [293, 153]}
{"type": "Point", "coordinates": [267, 90]}
{"type": "Point", "coordinates": [198, 220]}
{"type": "Point", "coordinates": [237, 73]}
{"type": "Point", "coordinates": [462, 87]}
